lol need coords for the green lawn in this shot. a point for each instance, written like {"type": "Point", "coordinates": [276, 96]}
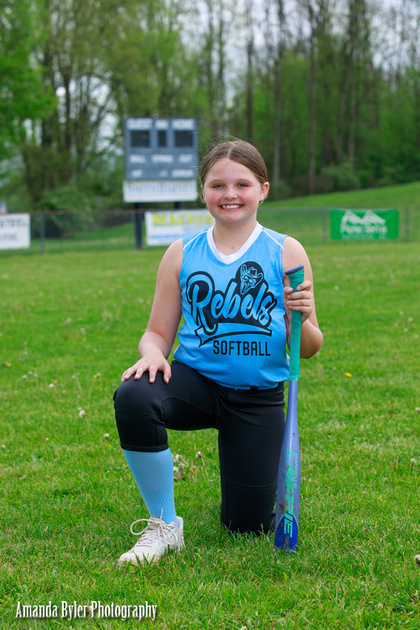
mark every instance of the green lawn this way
{"type": "Point", "coordinates": [69, 325]}
{"type": "Point", "coordinates": [386, 197]}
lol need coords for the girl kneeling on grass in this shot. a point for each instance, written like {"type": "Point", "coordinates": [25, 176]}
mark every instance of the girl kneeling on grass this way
{"type": "Point", "coordinates": [228, 283]}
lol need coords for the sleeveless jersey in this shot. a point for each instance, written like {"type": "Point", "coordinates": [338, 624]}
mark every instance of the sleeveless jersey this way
{"type": "Point", "coordinates": [234, 331]}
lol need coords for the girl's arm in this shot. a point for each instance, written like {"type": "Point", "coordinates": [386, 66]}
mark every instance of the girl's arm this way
{"type": "Point", "coordinates": [303, 300]}
{"type": "Point", "coordinates": [156, 344]}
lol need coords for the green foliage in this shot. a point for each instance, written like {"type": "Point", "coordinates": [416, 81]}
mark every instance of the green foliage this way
{"type": "Point", "coordinates": [340, 177]}
{"type": "Point", "coordinates": [70, 74]}
{"type": "Point", "coordinates": [65, 198]}
{"type": "Point", "coordinates": [400, 131]}
{"type": "Point", "coordinates": [64, 207]}
{"type": "Point", "coordinates": [23, 92]}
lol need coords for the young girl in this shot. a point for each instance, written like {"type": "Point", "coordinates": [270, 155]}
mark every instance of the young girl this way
{"type": "Point", "coordinates": [229, 285]}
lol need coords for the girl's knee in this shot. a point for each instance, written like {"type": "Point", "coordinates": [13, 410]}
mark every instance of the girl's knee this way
{"type": "Point", "coordinates": [138, 414]}
{"type": "Point", "coordinates": [140, 394]}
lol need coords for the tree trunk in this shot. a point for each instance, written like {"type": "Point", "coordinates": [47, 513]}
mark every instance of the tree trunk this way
{"type": "Point", "coordinates": [312, 115]}
{"type": "Point", "coordinates": [250, 90]}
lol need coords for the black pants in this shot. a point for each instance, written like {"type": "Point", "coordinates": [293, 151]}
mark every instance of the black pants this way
{"type": "Point", "coordinates": [250, 425]}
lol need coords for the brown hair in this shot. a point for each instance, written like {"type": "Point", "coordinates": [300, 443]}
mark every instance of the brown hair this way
{"type": "Point", "coordinates": [238, 151]}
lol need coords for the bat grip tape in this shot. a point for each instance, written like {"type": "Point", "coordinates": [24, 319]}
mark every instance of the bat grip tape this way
{"type": "Point", "coordinates": [296, 276]}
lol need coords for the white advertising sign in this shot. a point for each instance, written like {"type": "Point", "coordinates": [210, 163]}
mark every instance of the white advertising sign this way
{"type": "Point", "coordinates": [15, 231]}
{"type": "Point", "coordinates": [166, 226]}
{"type": "Point", "coordinates": [157, 190]}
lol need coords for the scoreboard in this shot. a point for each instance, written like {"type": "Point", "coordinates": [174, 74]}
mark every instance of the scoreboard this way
{"type": "Point", "coordinates": [161, 149]}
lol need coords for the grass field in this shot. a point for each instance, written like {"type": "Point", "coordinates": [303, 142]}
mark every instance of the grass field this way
{"type": "Point", "coordinates": [386, 197]}
{"type": "Point", "coordinates": [70, 324]}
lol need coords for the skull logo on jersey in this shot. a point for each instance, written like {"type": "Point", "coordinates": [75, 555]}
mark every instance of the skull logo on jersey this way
{"type": "Point", "coordinates": [250, 278]}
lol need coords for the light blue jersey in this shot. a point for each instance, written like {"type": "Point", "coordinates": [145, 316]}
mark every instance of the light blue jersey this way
{"type": "Point", "coordinates": [234, 331]}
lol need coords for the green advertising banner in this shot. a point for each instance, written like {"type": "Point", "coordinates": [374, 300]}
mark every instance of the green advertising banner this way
{"type": "Point", "coordinates": [364, 224]}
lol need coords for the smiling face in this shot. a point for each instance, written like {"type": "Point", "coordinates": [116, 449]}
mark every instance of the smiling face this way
{"type": "Point", "coordinates": [232, 192]}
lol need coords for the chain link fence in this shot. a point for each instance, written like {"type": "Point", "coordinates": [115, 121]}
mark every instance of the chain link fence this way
{"type": "Point", "coordinates": [56, 232]}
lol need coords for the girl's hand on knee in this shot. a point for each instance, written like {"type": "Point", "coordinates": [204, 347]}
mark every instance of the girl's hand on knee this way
{"type": "Point", "coordinates": [153, 363]}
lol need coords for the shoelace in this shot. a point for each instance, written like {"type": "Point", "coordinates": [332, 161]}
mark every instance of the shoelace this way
{"type": "Point", "coordinates": [148, 534]}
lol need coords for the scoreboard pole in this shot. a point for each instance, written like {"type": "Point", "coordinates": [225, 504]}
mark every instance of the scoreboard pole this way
{"type": "Point", "coordinates": [138, 222]}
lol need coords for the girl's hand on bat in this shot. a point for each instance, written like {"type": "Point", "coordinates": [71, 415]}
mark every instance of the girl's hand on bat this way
{"type": "Point", "coordinates": [301, 300]}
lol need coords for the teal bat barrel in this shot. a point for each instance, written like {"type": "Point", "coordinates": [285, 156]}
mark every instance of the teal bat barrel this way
{"type": "Point", "coordinates": [288, 484]}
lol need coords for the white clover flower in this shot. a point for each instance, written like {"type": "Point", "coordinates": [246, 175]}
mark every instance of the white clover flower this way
{"type": "Point", "coordinates": [51, 386]}
{"type": "Point", "coordinates": [82, 413]}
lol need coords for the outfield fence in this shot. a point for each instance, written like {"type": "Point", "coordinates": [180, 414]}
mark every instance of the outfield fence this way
{"type": "Point", "coordinates": [53, 232]}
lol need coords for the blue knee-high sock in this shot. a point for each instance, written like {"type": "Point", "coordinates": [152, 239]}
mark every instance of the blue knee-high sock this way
{"type": "Point", "coordinates": [154, 476]}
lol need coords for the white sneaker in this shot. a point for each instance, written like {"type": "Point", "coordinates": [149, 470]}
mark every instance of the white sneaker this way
{"type": "Point", "coordinates": [155, 540]}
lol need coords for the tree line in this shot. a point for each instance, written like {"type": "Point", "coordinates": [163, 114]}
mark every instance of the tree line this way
{"type": "Point", "coordinates": [328, 90]}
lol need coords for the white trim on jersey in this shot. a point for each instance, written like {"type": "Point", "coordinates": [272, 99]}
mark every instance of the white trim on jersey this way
{"type": "Point", "coordinates": [231, 258]}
